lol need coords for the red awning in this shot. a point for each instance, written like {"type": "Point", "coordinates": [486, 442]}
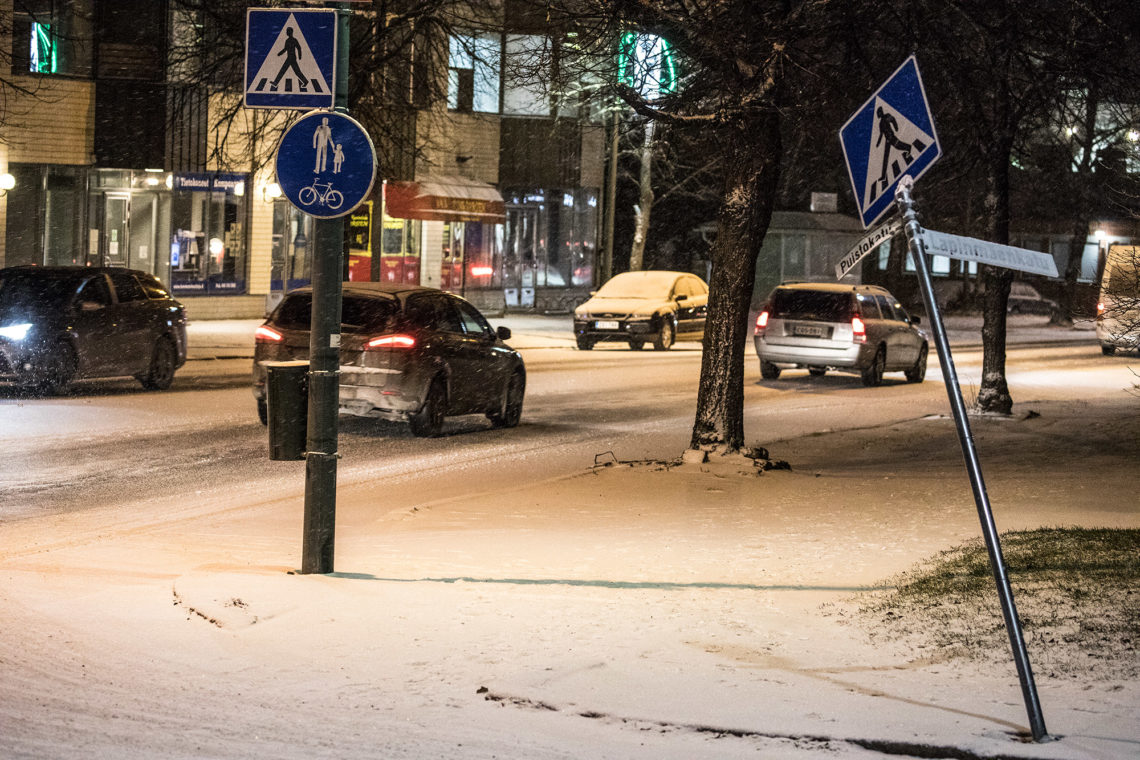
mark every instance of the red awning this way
{"type": "Point", "coordinates": [445, 199]}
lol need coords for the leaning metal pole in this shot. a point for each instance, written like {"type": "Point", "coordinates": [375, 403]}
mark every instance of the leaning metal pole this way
{"type": "Point", "coordinates": [324, 365]}
{"type": "Point", "coordinates": [973, 465]}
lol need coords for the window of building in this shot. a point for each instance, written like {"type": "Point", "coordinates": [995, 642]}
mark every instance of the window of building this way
{"type": "Point", "coordinates": [473, 72]}
{"type": "Point", "coordinates": [526, 76]}
{"type": "Point", "coordinates": [207, 252]}
{"type": "Point", "coordinates": [52, 37]}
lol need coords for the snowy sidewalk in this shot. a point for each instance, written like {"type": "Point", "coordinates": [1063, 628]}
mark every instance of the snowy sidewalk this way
{"type": "Point", "coordinates": [629, 611]}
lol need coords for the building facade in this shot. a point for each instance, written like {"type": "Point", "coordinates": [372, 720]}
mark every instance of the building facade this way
{"type": "Point", "coordinates": [116, 160]}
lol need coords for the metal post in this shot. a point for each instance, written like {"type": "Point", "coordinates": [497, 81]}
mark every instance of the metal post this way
{"type": "Point", "coordinates": [324, 364]}
{"type": "Point", "coordinates": [973, 465]}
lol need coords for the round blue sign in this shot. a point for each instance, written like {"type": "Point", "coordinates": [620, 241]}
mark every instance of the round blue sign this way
{"type": "Point", "coordinates": [326, 164]}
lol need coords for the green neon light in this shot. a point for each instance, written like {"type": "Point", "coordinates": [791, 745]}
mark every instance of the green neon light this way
{"type": "Point", "coordinates": [644, 60]}
{"type": "Point", "coordinates": [42, 54]}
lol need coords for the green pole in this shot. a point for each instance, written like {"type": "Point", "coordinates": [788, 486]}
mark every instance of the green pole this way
{"type": "Point", "coordinates": [324, 361]}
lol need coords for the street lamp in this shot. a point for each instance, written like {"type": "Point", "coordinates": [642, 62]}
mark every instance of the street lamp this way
{"type": "Point", "coordinates": [7, 182]}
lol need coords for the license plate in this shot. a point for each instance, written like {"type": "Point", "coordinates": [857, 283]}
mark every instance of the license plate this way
{"type": "Point", "coordinates": [607, 325]}
{"type": "Point", "coordinates": [810, 331]}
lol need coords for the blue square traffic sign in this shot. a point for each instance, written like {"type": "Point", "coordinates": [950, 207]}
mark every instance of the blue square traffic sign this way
{"type": "Point", "coordinates": [290, 58]}
{"type": "Point", "coordinates": [891, 136]}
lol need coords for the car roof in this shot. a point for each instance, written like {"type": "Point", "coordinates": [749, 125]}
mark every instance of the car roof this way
{"type": "Point", "coordinates": [834, 287]}
{"type": "Point", "coordinates": [661, 276]}
{"type": "Point", "coordinates": [374, 289]}
{"type": "Point", "coordinates": [64, 272]}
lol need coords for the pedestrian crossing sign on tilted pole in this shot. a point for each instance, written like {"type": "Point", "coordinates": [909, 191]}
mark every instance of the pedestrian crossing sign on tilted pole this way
{"type": "Point", "coordinates": [891, 136]}
{"type": "Point", "coordinates": [290, 58]}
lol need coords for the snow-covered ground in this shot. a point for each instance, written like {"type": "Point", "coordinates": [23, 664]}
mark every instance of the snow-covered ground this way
{"type": "Point", "coordinates": [629, 611]}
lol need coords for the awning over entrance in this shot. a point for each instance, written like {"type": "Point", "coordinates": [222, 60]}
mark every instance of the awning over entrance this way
{"type": "Point", "coordinates": [445, 199]}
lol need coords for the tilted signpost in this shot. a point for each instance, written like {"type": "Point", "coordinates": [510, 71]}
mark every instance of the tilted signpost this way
{"type": "Point", "coordinates": [893, 134]}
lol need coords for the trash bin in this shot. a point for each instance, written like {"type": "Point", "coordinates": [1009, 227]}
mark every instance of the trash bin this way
{"type": "Point", "coordinates": [287, 391]}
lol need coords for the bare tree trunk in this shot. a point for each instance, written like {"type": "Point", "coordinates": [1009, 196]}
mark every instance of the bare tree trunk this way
{"type": "Point", "coordinates": [751, 158]}
{"type": "Point", "coordinates": [1081, 210]}
{"type": "Point", "coordinates": [993, 394]}
{"type": "Point", "coordinates": [645, 202]}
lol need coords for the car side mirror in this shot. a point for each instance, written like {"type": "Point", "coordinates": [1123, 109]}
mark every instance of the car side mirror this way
{"type": "Point", "coordinates": [504, 333]}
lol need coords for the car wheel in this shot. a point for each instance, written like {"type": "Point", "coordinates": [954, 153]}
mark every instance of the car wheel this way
{"type": "Point", "coordinates": [53, 372]}
{"type": "Point", "coordinates": [769, 371]}
{"type": "Point", "coordinates": [428, 421]}
{"type": "Point", "coordinates": [636, 345]}
{"type": "Point", "coordinates": [664, 339]}
{"type": "Point", "coordinates": [513, 403]}
{"type": "Point", "coordinates": [817, 371]}
{"type": "Point", "coordinates": [1107, 350]}
{"type": "Point", "coordinates": [162, 364]}
{"type": "Point", "coordinates": [873, 374]}
{"type": "Point", "coordinates": [917, 373]}
{"type": "Point", "coordinates": [263, 411]}
{"type": "Point", "coordinates": [584, 343]}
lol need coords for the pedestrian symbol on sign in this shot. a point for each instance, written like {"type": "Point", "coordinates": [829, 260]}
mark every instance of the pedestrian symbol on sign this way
{"type": "Point", "coordinates": [891, 136]}
{"type": "Point", "coordinates": [290, 58]}
{"type": "Point", "coordinates": [326, 164]}
{"type": "Point", "coordinates": [296, 72]}
{"type": "Point", "coordinates": [897, 140]}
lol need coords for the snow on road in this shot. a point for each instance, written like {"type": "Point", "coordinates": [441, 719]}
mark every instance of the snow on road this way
{"type": "Point", "coordinates": [620, 612]}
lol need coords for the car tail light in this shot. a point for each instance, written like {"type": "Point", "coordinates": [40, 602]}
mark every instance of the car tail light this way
{"type": "Point", "coordinates": [390, 341]}
{"type": "Point", "coordinates": [761, 322]}
{"type": "Point", "coordinates": [266, 334]}
{"type": "Point", "coordinates": [858, 330]}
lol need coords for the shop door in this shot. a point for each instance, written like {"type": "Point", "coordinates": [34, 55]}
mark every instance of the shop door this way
{"type": "Point", "coordinates": [141, 245]}
{"type": "Point", "coordinates": [520, 257]}
{"type": "Point", "coordinates": [116, 226]}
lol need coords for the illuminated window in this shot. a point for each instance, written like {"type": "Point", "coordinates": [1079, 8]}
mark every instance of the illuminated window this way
{"type": "Point", "coordinates": [473, 73]}
{"type": "Point", "coordinates": [41, 52]}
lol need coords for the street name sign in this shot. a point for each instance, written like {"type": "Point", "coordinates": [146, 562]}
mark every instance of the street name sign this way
{"type": "Point", "coordinates": [326, 164]}
{"type": "Point", "coordinates": [984, 252]}
{"type": "Point", "coordinates": [290, 58]}
{"type": "Point", "coordinates": [889, 137]}
{"type": "Point", "coordinates": [869, 243]}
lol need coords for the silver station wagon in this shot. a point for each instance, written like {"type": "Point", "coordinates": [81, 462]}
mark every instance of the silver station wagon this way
{"type": "Point", "coordinates": [849, 328]}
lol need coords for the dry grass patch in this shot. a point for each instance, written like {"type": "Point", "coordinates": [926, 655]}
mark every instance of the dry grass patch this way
{"type": "Point", "coordinates": [1077, 593]}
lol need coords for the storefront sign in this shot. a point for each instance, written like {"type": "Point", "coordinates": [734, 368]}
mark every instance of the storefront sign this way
{"type": "Point", "coordinates": [211, 182]}
{"type": "Point", "coordinates": [445, 199]}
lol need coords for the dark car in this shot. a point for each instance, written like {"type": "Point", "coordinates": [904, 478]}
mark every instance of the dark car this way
{"type": "Point", "coordinates": [59, 324]}
{"type": "Point", "coordinates": [1024, 299]}
{"type": "Point", "coordinates": [638, 307]}
{"type": "Point", "coordinates": [407, 353]}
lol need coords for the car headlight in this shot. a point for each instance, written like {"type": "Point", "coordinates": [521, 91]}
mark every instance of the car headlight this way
{"type": "Point", "coordinates": [15, 332]}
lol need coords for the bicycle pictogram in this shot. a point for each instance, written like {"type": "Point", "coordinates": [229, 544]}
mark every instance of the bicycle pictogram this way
{"type": "Point", "coordinates": [312, 194]}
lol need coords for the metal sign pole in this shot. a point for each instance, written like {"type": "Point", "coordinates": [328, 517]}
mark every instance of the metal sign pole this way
{"type": "Point", "coordinates": [974, 467]}
{"type": "Point", "coordinates": [324, 365]}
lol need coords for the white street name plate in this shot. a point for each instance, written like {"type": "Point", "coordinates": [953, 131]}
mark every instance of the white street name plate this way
{"type": "Point", "coordinates": [869, 243]}
{"type": "Point", "coordinates": [983, 252]}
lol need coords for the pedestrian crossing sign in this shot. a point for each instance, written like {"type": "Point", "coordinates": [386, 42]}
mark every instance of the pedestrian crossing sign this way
{"type": "Point", "coordinates": [891, 136]}
{"type": "Point", "coordinates": [290, 58]}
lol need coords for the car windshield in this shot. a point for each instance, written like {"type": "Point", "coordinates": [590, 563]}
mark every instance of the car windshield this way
{"type": "Point", "coordinates": [650, 285]}
{"type": "Point", "coordinates": [26, 290]}
{"type": "Point", "coordinates": [357, 314]}
{"type": "Point", "coordinates": [811, 304]}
